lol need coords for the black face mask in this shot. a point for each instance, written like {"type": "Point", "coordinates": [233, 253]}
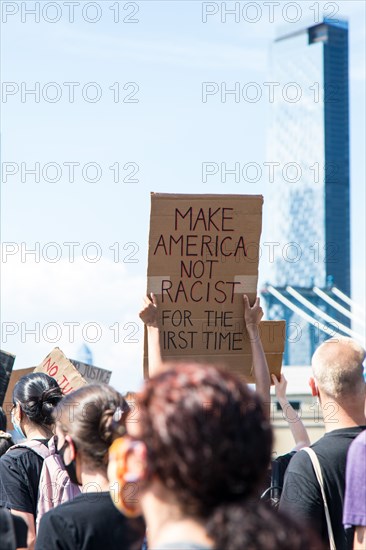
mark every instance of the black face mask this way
{"type": "Point", "coordinates": [70, 468]}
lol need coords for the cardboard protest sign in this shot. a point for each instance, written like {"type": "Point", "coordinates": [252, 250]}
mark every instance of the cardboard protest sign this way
{"type": "Point", "coordinates": [8, 401]}
{"type": "Point", "coordinates": [6, 367]}
{"type": "Point", "coordinates": [57, 365]}
{"type": "Point", "coordinates": [69, 374]}
{"type": "Point", "coordinates": [203, 256]}
{"type": "Point", "coordinates": [92, 374]}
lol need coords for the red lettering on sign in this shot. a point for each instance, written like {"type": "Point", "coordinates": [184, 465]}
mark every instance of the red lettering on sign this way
{"type": "Point", "coordinates": [51, 370]}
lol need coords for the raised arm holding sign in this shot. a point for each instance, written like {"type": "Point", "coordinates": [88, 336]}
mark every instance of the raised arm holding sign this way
{"type": "Point", "coordinates": [252, 316]}
{"type": "Point", "coordinates": [149, 315]}
{"type": "Point", "coordinates": [203, 256]}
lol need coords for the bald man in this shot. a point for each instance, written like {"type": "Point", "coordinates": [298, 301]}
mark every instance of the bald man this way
{"type": "Point", "coordinates": [338, 382]}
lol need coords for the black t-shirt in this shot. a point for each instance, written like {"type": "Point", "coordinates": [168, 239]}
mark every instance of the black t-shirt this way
{"type": "Point", "coordinates": [20, 471]}
{"type": "Point", "coordinates": [89, 522]}
{"type": "Point", "coordinates": [301, 496]}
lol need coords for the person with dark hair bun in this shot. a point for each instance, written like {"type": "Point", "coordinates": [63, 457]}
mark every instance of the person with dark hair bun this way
{"type": "Point", "coordinates": [86, 421]}
{"type": "Point", "coordinates": [34, 399]}
{"type": "Point", "coordinates": [195, 461]}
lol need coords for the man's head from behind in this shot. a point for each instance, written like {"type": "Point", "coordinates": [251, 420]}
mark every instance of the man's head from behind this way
{"type": "Point", "coordinates": [337, 369]}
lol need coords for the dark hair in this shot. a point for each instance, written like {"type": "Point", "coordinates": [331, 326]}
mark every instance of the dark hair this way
{"type": "Point", "coordinates": [209, 443]}
{"type": "Point", "coordinates": [207, 436]}
{"type": "Point", "coordinates": [5, 439]}
{"type": "Point", "coordinates": [5, 442]}
{"type": "Point", "coordinates": [38, 394]}
{"type": "Point", "coordinates": [88, 416]}
{"type": "Point", "coordinates": [3, 421]}
{"type": "Point", "coordinates": [257, 526]}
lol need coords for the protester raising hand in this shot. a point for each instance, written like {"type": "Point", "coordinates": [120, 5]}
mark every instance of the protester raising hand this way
{"type": "Point", "coordinates": [252, 317]}
{"type": "Point", "coordinates": [149, 315]}
{"type": "Point", "coordinates": [280, 387]}
{"type": "Point", "coordinates": [295, 423]}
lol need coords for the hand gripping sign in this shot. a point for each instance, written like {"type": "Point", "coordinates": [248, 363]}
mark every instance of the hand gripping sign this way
{"type": "Point", "coordinates": [203, 256]}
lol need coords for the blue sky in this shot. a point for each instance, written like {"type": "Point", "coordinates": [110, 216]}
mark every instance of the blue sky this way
{"type": "Point", "coordinates": [168, 133]}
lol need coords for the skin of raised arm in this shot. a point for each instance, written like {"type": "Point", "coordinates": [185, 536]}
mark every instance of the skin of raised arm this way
{"type": "Point", "coordinates": [359, 542]}
{"type": "Point", "coordinates": [295, 423]}
{"type": "Point", "coordinates": [149, 315]}
{"type": "Point", "coordinates": [252, 316]}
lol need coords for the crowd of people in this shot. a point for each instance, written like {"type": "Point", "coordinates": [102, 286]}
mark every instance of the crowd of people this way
{"type": "Point", "coordinates": [193, 470]}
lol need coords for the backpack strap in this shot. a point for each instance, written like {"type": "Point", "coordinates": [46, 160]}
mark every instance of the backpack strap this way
{"type": "Point", "coordinates": [34, 445]}
{"type": "Point", "coordinates": [319, 476]}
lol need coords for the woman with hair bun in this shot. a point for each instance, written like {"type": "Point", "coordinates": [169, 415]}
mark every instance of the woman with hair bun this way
{"type": "Point", "coordinates": [86, 423]}
{"type": "Point", "coordinates": [198, 456]}
{"type": "Point", "coordinates": [35, 397]}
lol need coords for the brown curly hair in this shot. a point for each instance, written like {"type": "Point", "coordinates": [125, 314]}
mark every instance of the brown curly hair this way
{"type": "Point", "coordinates": [207, 436]}
{"type": "Point", "coordinates": [209, 443]}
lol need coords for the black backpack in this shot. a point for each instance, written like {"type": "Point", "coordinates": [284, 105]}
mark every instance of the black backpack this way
{"type": "Point", "coordinates": [272, 493]}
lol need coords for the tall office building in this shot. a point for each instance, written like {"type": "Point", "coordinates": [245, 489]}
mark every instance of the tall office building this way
{"type": "Point", "coordinates": [308, 206]}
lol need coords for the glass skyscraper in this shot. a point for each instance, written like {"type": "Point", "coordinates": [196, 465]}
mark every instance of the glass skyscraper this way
{"type": "Point", "coordinates": [308, 206]}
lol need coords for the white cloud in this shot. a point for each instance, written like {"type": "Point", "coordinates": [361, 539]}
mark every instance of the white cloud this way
{"type": "Point", "coordinates": [45, 298]}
